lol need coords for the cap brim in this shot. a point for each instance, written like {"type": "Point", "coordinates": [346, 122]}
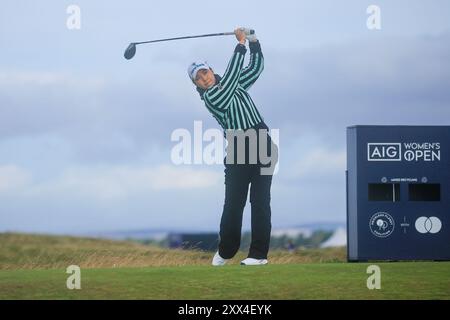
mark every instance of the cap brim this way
{"type": "Point", "coordinates": [194, 74]}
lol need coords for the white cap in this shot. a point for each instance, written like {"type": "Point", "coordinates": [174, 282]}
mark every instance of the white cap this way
{"type": "Point", "coordinates": [194, 67]}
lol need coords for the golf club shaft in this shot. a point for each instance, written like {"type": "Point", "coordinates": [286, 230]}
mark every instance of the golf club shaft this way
{"type": "Point", "coordinates": [188, 37]}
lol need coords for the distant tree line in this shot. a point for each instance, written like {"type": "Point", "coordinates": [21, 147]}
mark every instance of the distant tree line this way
{"type": "Point", "coordinates": [280, 242]}
{"type": "Point", "coordinates": [288, 242]}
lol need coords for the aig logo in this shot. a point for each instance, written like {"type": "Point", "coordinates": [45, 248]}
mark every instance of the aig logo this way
{"type": "Point", "coordinates": [384, 152]}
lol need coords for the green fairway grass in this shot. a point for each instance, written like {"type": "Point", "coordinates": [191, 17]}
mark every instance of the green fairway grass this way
{"type": "Point", "coordinates": [399, 280]}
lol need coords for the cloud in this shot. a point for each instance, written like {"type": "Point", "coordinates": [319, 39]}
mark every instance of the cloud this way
{"type": "Point", "coordinates": [396, 80]}
{"type": "Point", "coordinates": [48, 78]}
{"type": "Point", "coordinates": [42, 102]}
{"type": "Point", "coordinates": [120, 182]}
{"type": "Point", "coordinates": [390, 80]}
{"type": "Point", "coordinates": [320, 162]}
{"type": "Point", "coordinates": [13, 178]}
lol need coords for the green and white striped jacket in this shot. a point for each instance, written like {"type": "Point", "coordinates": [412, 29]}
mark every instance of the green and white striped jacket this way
{"type": "Point", "coordinates": [228, 100]}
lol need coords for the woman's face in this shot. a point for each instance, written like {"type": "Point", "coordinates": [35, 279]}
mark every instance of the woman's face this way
{"type": "Point", "coordinates": [205, 79]}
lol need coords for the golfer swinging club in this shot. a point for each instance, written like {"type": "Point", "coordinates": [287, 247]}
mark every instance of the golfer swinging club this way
{"type": "Point", "coordinates": [227, 99]}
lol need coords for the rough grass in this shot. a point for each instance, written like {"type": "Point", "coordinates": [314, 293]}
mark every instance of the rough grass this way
{"type": "Point", "coordinates": [30, 251]}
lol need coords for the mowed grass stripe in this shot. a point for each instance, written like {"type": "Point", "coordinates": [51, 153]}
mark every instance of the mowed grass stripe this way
{"type": "Point", "coordinates": [400, 280]}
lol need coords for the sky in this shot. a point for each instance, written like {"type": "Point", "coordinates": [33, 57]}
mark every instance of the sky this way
{"type": "Point", "coordinates": [85, 135]}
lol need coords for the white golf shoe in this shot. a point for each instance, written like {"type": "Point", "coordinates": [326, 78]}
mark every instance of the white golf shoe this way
{"type": "Point", "coordinates": [218, 260]}
{"type": "Point", "coordinates": [253, 262]}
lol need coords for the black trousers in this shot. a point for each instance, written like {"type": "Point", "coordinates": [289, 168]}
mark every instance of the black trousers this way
{"type": "Point", "coordinates": [238, 177]}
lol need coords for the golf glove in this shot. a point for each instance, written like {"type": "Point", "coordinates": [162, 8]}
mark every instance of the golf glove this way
{"type": "Point", "coordinates": [250, 37]}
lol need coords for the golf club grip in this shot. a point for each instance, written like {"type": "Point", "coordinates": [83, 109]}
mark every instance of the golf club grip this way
{"type": "Point", "coordinates": [248, 31]}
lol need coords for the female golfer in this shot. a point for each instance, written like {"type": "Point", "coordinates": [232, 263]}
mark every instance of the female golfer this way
{"type": "Point", "coordinates": [228, 100]}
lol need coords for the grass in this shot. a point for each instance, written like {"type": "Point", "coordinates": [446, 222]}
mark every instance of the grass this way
{"type": "Point", "coordinates": [408, 280]}
{"type": "Point", "coordinates": [33, 267]}
{"type": "Point", "coordinates": [26, 251]}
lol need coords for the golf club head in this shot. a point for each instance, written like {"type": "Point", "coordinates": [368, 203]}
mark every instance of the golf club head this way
{"type": "Point", "coordinates": [130, 51]}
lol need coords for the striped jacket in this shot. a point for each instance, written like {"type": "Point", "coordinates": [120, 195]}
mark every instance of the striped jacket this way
{"type": "Point", "coordinates": [228, 100]}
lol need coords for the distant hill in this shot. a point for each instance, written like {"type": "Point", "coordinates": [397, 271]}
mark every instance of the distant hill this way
{"type": "Point", "coordinates": [159, 234]}
{"type": "Point", "coordinates": [140, 234]}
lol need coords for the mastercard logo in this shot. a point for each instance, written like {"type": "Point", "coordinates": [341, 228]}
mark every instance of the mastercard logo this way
{"type": "Point", "coordinates": [428, 225]}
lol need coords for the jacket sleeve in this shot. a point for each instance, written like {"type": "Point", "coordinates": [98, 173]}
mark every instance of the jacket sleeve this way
{"type": "Point", "coordinates": [220, 95]}
{"type": "Point", "coordinates": [255, 67]}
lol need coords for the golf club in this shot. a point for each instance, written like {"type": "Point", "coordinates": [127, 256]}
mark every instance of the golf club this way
{"type": "Point", "coordinates": [131, 49]}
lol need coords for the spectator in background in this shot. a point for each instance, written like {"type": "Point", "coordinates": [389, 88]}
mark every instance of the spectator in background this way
{"type": "Point", "coordinates": [290, 246]}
